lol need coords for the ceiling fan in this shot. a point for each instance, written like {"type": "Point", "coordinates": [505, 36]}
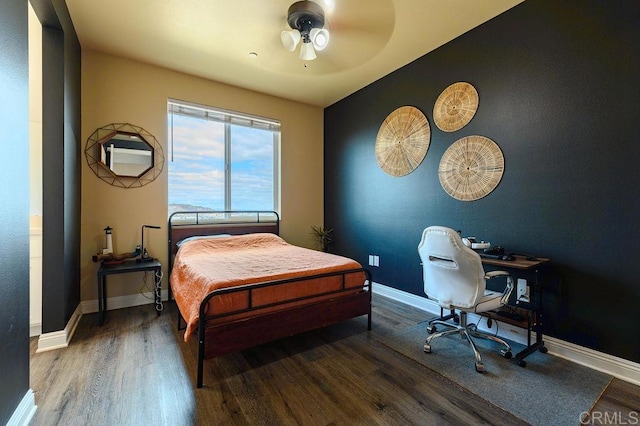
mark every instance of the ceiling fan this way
{"type": "Point", "coordinates": [306, 18]}
{"type": "Point", "coordinates": [341, 34]}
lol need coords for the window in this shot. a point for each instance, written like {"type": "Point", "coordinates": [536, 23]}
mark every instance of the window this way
{"type": "Point", "coordinates": [222, 160]}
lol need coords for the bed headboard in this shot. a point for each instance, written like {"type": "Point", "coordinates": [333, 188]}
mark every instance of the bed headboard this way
{"type": "Point", "coordinates": [192, 223]}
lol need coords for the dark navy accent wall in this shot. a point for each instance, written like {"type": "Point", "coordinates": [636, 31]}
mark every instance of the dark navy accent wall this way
{"type": "Point", "coordinates": [61, 149]}
{"type": "Point", "coordinates": [14, 207]}
{"type": "Point", "coordinates": [559, 93]}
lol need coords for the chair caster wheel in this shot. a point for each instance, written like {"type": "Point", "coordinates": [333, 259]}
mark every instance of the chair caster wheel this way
{"type": "Point", "coordinates": [427, 348]}
{"type": "Point", "coordinates": [543, 349]}
{"type": "Point", "coordinates": [522, 363]}
{"type": "Point", "coordinates": [506, 353]}
{"type": "Point", "coordinates": [456, 319]}
{"type": "Point", "coordinates": [479, 367]}
{"type": "Point", "coordinates": [431, 329]}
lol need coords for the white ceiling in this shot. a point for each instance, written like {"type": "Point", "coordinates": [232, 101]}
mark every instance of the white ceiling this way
{"type": "Point", "coordinates": [213, 38]}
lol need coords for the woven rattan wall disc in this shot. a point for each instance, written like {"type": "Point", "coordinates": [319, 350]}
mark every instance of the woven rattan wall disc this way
{"type": "Point", "coordinates": [471, 168]}
{"type": "Point", "coordinates": [455, 107]}
{"type": "Point", "coordinates": [402, 141]}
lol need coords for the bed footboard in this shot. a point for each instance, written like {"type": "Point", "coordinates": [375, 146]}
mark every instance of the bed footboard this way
{"type": "Point", "coordinates": [217, 337]}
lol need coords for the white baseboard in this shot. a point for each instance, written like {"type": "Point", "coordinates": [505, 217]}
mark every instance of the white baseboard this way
{"type": "Point", "coordinates": [35, 329]}
{"type": "Point", "coordinates": [24, 411]}
{"type": "Point", "coordinates": [60, 339]}
{"type": "Point", "coordinates": [119, 302]}
{"type": "Point", "coordinates": [623, 369]}
{"type": "Point", "coordinates": [617, 367]}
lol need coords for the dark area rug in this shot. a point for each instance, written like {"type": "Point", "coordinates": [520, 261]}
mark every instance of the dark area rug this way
{"type": "Point", "coordinates": [548, 391]}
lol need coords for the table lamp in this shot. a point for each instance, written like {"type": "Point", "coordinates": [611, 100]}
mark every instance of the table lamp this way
{"type": "Point", "coordinates": [144, 255]}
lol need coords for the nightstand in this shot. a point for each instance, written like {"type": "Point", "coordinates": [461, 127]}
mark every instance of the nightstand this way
{"type": "Point", "coordinates": [126, 267]}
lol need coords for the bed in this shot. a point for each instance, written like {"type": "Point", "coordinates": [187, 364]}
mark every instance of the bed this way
{"type": "Point", "coordinates": [238, 284]}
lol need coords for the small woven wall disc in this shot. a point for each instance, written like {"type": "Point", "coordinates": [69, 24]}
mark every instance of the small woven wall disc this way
{"type": "Point", "coordinates": [455, 107]}
{"type": "Point", "coordinates": [471, 168]}
{"type": "Point", "coordinates": [402, 141]}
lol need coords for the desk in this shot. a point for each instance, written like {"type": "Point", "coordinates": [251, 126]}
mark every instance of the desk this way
{"type": "Point", "coordinates": [125, 268]}
{"type": "Point", "coordinates": [520, 262]}
{"type": "Point", "coordinates": [532, 314]}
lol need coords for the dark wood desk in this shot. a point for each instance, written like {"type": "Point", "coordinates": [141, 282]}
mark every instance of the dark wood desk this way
{"type": "Point", "coordinates": [531, 311]}
{"type": "Point", "coordinates": [520, 262]}
{"type": "Point", "coordinates": [125, 268]}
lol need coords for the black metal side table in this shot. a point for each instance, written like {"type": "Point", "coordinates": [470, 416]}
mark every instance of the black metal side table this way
{"type": "Point", "coordinates": [125, 268]}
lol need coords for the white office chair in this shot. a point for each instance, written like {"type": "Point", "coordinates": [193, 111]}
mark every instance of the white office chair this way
{"type": "Point", "coordinates": [454, 277]}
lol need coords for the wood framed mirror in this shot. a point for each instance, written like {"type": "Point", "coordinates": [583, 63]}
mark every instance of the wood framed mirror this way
{"type": "Point", "coordinates": [124, 155]}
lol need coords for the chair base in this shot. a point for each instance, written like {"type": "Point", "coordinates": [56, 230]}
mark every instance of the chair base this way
{"type": "Point", "coordinates": [466, 332]}
{"type": "Point", "coordinates": [431, 328]}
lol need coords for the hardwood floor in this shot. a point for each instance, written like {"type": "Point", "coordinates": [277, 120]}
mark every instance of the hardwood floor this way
{"type": "Point", "coordinates": [619, 404]}
{"type": "Point", "coordinates": [136, 369]}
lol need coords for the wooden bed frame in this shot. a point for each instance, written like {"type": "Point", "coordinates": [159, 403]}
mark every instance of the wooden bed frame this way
{"type": "Point", "coordinates": [234, 335]}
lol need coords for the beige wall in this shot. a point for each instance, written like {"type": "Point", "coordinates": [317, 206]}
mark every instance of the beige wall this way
{"type": "Point", "coordinates": [116, 90]}
{"type": "Point", "coordinates": [35, 114]}
{"type": "Point", "coordinates": [35, 174]}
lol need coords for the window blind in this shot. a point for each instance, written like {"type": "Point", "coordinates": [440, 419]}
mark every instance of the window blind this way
{"type": "Point", "coordinates": [222, 116]}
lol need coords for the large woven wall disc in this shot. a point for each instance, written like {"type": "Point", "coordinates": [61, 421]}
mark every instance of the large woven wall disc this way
{"type": "Point", "coordinates": [402, 141]}
{"type": "Point", "coordinates": [471, 168]}
{"type": "Point", "coordinates": [455, 107]}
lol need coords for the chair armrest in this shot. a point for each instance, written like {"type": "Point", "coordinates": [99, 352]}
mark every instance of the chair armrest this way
{"type": "Point", "coordinates": [507, 290]}
{"type": "Point", "coordinates": [493, 274]}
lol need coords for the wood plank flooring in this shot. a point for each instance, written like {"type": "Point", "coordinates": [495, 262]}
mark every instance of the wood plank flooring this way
{"type": "Point", "coordinates": [619, 404]}
{"type": "Point", "coordinates": [136, 370]}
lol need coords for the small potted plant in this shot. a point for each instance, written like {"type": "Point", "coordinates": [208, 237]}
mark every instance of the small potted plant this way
{"type": "Point", "coordinates": [321, 236]}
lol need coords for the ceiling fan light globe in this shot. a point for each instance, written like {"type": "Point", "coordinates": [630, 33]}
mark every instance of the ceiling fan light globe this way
{"type": "Point", "coordinates": [290, 39]}
{"type": "Point", "coordinates": [307, 53]}
{"type": "Point", "coordinates": [319, 38]}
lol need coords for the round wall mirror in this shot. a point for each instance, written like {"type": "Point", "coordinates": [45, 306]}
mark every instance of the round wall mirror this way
{"type": "Point", "coordinates": [124, 155]}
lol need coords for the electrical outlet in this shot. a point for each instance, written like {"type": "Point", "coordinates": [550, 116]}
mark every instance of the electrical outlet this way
{"type": "Point", "coordinates": [522, 291]}
{"type": "Point", "coordinates": [376, 260]}
{"type": "Point", "coordinates": [371, 260]}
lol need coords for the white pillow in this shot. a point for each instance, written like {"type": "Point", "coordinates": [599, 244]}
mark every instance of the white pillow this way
{"type": "Point", "coordinates": [200, 237]}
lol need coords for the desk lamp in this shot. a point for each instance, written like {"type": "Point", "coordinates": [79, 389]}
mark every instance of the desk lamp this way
{"type": "Point", "coordinates": [144, 256]}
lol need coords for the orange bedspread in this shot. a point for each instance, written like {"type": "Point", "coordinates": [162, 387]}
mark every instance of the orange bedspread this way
{"type": "Point", "coordinates": [202, 266]}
